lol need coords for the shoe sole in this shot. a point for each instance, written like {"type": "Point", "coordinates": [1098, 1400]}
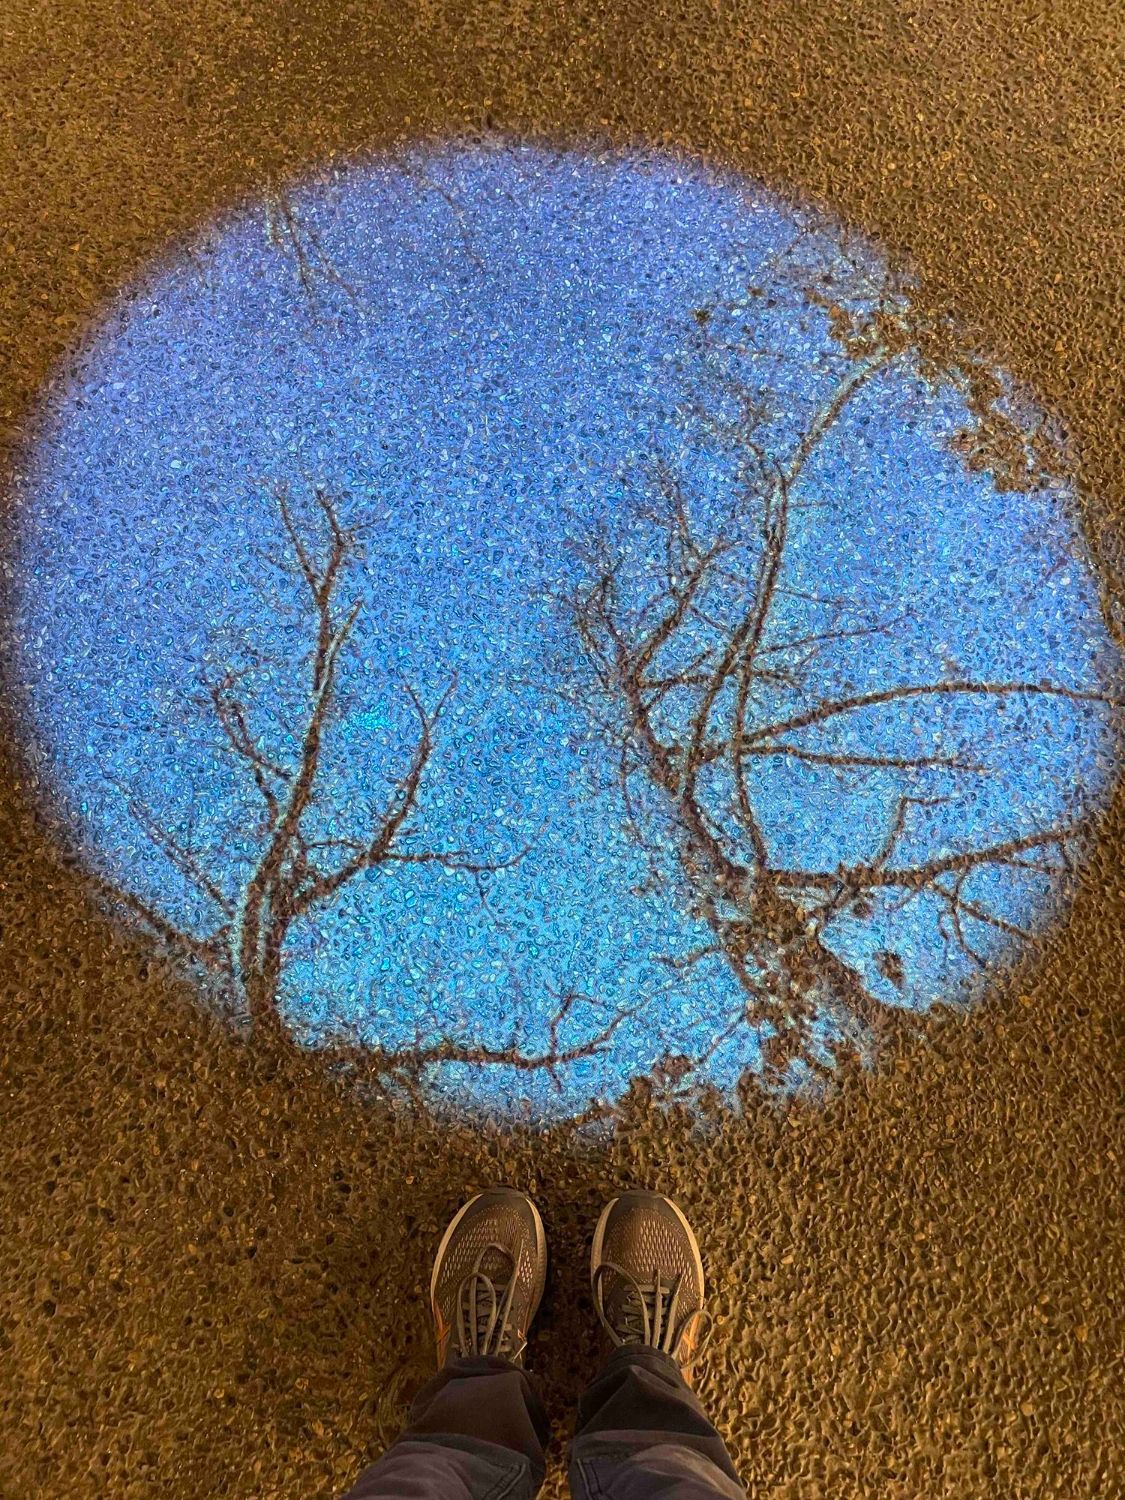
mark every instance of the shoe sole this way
{"type": "Point", "coordinates": [540, 1245]}
{"type": "Point", "coordinates": [599, 1233]}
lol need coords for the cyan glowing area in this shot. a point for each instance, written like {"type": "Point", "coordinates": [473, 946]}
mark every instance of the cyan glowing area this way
{"type": "Point", "coordinates": [558, 619]}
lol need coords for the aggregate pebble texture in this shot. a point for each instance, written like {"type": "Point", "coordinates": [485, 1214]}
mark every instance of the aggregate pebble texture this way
{"type": "Point", "coordinates": [214, 1263]}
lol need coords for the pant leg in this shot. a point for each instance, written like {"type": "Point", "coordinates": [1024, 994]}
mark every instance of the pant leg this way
{"type": "Point", "coordinates": [642, 1434]}
{"type": "Point", "coordinates": [476, 1431]}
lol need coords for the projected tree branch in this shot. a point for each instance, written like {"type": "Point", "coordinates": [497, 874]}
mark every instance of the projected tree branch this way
{"type": "Point", "coordinates": [296, 874]}
{"type": "Point", "coordinates": [692, 669]}
{"type": "Point", "coordinates": [696, 684]}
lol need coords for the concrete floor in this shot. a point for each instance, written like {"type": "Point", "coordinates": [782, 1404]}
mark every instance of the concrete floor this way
{"type": "Point", "coordinates": [213, 1270]}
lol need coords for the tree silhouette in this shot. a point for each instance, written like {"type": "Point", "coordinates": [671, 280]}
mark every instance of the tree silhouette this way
{"type": "Point", "coordinates": [694, 683]}
{"type": "Point", "coordinates": [291, 234]}
{"type": "Point", "coordinates": [296, 873]}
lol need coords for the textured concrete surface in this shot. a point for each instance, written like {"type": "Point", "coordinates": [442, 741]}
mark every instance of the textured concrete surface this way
{"type": "Point", "coordinates": [213, 1271]}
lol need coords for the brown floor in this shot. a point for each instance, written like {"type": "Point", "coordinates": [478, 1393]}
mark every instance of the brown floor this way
{"type": "Point", "coordinates": [212, 1280]}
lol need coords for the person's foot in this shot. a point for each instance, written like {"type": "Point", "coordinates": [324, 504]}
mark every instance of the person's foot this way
{"type": "Point", "coordinates": [646, 1274]}
{"type": "Point", "coordinates": [488, 1279]}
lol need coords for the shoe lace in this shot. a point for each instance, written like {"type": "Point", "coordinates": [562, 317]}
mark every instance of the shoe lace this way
{"type": "Point", "coordinates": [484, 1312]}
{"type": "Point", "coordinates": [646, 1314]}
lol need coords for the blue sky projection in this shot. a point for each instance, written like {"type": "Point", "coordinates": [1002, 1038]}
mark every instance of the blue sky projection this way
{"type": "Point", "coordinates": [697, 656]}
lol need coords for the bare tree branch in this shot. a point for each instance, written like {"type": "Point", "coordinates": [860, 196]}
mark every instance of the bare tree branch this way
{"type": "Point", "coordinates": [678, 676]}
{"type": "Point", "coordinates": [287, 231]}
{"type": "Point", "coordinates": [233, 721]}
{"type": "Point", "coordinates": [182, 858]}
{"type": "Point", "coordinates": [414, 1060]}
{"type": "Point", "coordinates": [832, 708]}
{"type": "Point", "coordinates": [923, 875]}
{"type": "Point", "coordinates": [857, 758]}
{"type": "Point", "coordinates": [401, 804]}
{"type": "Point", "coordinates": [209, 952]}
{"type": "Point", "coordinates": [248, 949]}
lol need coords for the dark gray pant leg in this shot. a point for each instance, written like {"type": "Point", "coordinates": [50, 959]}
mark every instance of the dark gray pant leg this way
{"type": "Point", "coordinates": [475, 1432]}
{"type": "Point", "coordinates": [642, 1434]}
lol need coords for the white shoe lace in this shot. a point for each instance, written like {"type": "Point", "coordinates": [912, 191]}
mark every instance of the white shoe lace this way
{"type": "Point", "coordinates": [484, 1313]}
{"type": "Point", "coordinates": [647, 1312]}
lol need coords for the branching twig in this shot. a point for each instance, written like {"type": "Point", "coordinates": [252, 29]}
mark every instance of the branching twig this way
{"type": "Point", "coordinates": [678, 672]}
{"type": "Point", "coordinates": [293, 873]}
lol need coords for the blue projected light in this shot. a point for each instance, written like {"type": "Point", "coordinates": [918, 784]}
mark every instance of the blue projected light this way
{"type": "Point", "coordinates": [558, 619]}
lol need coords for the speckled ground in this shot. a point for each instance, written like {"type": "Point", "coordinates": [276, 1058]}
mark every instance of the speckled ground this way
{"type": "Point", "coordinates": [213, 1278]}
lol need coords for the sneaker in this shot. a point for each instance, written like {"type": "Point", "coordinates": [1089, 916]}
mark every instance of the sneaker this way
{"type": "Point", "coordinates": [646, 1274]}
{"type": "Point", "coordinates": [488, 1279]}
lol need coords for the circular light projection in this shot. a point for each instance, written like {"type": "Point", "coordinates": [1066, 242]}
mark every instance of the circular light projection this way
{"type": "Point", "coordinates": [554, 619]}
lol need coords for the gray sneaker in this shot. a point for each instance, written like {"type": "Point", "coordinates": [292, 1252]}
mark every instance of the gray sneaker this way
{"type": "Point", "coordinates": [646, 1274]}
{"type": "Point", "coordinates": [488, 1279]}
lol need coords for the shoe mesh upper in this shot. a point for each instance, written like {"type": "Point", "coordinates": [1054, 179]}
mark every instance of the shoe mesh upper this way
{"type": "Point", "coordinates": [494, 1248]}
{"type": "Point", "coordinates": [645, 1248]}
